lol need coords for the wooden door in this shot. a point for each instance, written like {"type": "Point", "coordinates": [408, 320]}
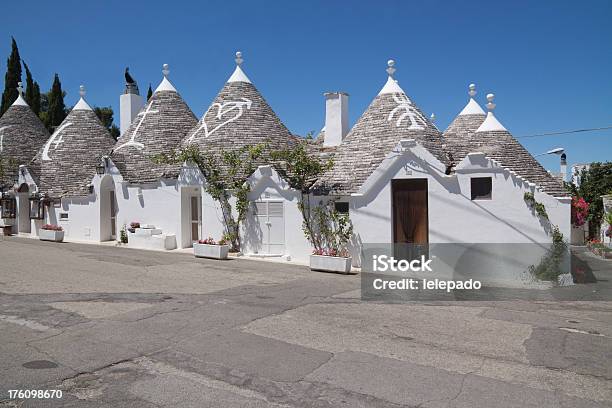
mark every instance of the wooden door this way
{"type": "Point", "coordinates": [196, 218]}
{"type": "Point", "coordinates": [410, 217]}
{"type": "Point", "coordinates": [113, 214]}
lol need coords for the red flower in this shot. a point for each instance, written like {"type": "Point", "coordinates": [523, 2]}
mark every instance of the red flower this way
{"type": "Point", "coordinates": [52, 227]}
{"type": "Point", "coordinates": [580, 211]}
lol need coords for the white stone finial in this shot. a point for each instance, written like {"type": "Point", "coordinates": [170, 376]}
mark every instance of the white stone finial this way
{"type": "Point", "coordinates": [472, 91]}
{"type": "Point", "coordinates": [390, 67]}
{"type": "Point", "coordinates": [166, 70]}
{"type": "Point", "coordinates": [432, 118]}
{"type": "Point", "coordinates": [82, 90]}
{"type": "Point", "coordinates": [20, 88]}
{"type": "Point", "coordinates": [239, 59]}
{"type": "Point", "coordinates": [490, 104]}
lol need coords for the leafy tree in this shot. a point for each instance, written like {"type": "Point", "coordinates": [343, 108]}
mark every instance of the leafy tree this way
{"type": "Point", "coordinates": [105, 114]}
{"type": "Point", "coordinates": [32, 93]}
{"type": "Point", "coordinates": [57, 109]}
{"type": "Point", "coordinates": [226, 173]}
{"type": "Point", "coordinates": [594, 182]}
{"type": "Point", "coordinates": [12, 78]}
{"type": "Point", "coordinates": [301, 168]}
{"type": "Point", "coordinates": [149, 93]}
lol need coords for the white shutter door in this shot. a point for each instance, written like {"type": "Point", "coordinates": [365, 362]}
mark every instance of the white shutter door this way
{"type": "Point", "coordinates": [276, 221]}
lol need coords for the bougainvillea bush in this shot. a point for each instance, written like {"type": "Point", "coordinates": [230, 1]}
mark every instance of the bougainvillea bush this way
{"type": "Point", "coordinates": [580, 211]}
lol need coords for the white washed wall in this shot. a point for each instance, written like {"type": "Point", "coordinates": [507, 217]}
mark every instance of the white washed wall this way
{"type": "Point", "coordinates": [453, 216]}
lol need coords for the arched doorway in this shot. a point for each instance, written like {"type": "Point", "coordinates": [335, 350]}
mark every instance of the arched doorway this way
{"type": "Point", "coordinates": [108, 209]}
{"type": "Point", "coordinates": [24, 224]}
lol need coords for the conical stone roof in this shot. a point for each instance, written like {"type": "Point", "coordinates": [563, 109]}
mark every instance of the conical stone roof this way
{"type": "Point", "coordinates": [22, 134]}
{"type": "Point", "coordinates": [158, 128]}
{"type": "Point", "coordinates": [457, 136]}
{"type": "Point", "coordinates": [391, 117]}
{"type": "Point", "coordinates": [66, 163]}
{"type": "Point", "coordinates": [239, 116]}
{"type": "Point", "coordinates": [496, 142]}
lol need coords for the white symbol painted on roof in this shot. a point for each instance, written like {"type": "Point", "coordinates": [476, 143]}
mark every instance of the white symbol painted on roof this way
{"type": "Point", "coordinates": [223, 109]}
{"type": "Point", "coordinates": [56, 139]}
{"type": "Point", "coordinates": [2, 137]}
{"type": "Point", "coordinates": [417, 121]}
{"type": "Point", "coordinates": [132, 141]}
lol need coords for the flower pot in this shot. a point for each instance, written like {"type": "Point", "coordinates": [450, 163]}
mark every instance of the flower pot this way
{"type": "Point", "coordinates": [210, 251]}
{"type": "Point", "coordinates": [51, 235]}
{"type": "Point", "coordinates": [330, 263]}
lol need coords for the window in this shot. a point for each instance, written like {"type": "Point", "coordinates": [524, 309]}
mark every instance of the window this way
{"type": "Point", "coordinates": [37, 208]}
{"type": "Point", "coordinates": [481, 188]}
{"type": "Point", "coordinates": [342, 208]}
{"type": "Point", "coordinates": [63, 216]}
{"type": "Point", "coordinates": [8, 207]}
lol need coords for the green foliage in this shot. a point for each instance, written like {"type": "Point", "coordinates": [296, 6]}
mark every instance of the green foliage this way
{"type": "Point", "coordinates": [32, 92]}
{"type": "Point", "coordinates": [594, 183]}
{"type": "Point", "coordinates": [123, 237]}
{"type": "Point", "coordinates": [57, 109]}
{"type": "Point", "coordinates": [11, 78]}
{"type": "Point", "coordinates": [608, 218]}
{"type": "Point", "coordinates": [332, 230]}
{"type": "Point", "coordinates": [226, 173]}
{"type": "Point", "coordinates": [105, 114]}
{"type": "Point", "coordinates": [301, 169]}
{"type": "Point", "coordinates": [549, 267]}
{"type": "Point", "coordinates": [537, 206]}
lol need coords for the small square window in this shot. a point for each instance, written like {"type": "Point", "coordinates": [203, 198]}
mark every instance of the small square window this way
{"type": "Point", "coordinates": [481, 188]}
{"type": "Point", "coordinates": [342, 208]}
{"type": "Point", "coordinates": [64, 216]}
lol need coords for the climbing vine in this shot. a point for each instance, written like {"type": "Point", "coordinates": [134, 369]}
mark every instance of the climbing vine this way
{"type": "Point", "coordinates": [301, 168]}
{"type": "Point", "coordinates": [537, 206]}
{"type": "Point", "coordinates": [549, 267]}
{"type": "Point", "coordinates": [226, 173]}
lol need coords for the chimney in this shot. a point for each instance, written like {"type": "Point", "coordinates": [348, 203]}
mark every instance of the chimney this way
{"type": "Point", "coordinates": [563, 167]}
{"type": "Point", "coordinates": [130, 104]}
{"type": "Point", "coordinates": [336, 118]}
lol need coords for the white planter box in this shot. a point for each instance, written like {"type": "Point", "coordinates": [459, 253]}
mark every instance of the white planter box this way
{"type": "Point", "coordinates": [210, 251]}
{"type": "Point", "coordinates": [330, 263]}
{"type": "Point", "coordinates": [49, 235]}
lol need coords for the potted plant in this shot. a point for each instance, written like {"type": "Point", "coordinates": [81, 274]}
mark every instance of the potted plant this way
{"type": "Point", "coordinates": [333, 232]}
{"type": "Point", "coordinates": [123, 236]}
{"type": "Point", "coordinates": [330, 261]}
{"type": "Point", "coordinates": [208, 248]}
{"type": "Point", "coordinates": [51, 232]}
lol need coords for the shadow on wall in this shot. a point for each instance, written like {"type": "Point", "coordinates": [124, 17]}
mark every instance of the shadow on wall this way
{"type": "Point", "coordinates": [451, 184]}
{"type": "Point", "coordinates": [252, 238]}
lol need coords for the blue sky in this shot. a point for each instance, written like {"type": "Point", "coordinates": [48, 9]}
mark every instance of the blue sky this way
{"type": "Point", "coordinates": [549, 63]}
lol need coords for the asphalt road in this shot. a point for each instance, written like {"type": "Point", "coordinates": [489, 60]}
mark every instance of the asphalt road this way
{"type": "Point", "coordinates": [115, 327]}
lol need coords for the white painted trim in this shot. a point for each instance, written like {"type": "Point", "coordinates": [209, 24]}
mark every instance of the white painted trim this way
{"type": "Point", "coordinates": [391, 86]}
{"type": "Point", "coordinates": [165, 85]}
{"type": "Point", "coordinates": [239, 76]}
{"type": "Point", "coordinates": [472, 108]}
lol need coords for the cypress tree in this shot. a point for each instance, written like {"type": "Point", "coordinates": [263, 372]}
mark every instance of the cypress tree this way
{"type": "Point", "coordinates": [32, 93]}
{"type": "Point", "coordinates": [11, 79]}
{"type": "Point", "coordinates": [57, 108]}
{"type": "Point", "coordinates": [149, 93]}
{"type": "Point", "coordinates": [35, 105]}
